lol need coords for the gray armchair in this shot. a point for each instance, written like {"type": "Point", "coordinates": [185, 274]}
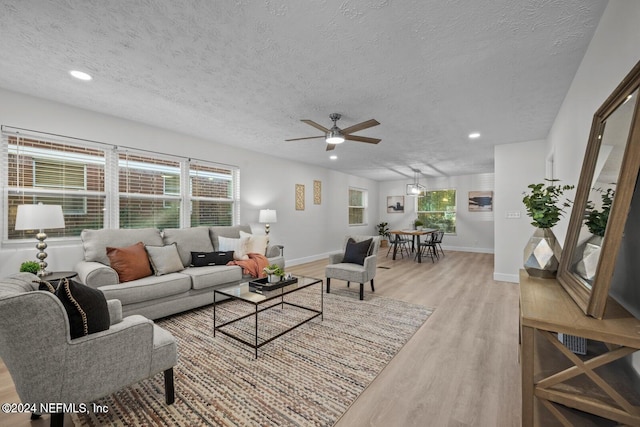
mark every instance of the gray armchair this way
{"type": "Point", "coordinates": [352, 272]}
{"type": "Point", "coordinates": [48, 366]}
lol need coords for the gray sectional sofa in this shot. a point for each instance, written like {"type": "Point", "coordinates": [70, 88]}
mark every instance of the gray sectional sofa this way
{"type": "Point", "coordinates": [158, 296]}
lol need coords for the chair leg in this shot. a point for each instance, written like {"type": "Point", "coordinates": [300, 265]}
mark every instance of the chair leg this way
{"type": "Point", "coordinates": [372, 288]}
{"type": "Point", "coordinates": [169, 392]}
{"type": "Point", "coordinates": [328, 285]}
{"type": "Point", "coordinates": [57, 419]}
{"type": "Point", "coordinates": [361, 291]}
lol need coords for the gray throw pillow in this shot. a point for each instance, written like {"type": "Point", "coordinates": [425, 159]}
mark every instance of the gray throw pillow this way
{"type": "Point", "coordinates": [164, 259]}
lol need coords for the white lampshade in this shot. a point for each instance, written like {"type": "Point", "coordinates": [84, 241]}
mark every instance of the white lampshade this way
{"type": "Point", "coordinates": [39, 217]}
{"type": "Point", "coordinates": [267, 216]}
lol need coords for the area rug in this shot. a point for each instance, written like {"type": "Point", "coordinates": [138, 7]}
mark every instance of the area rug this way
{"type": "Point", "coordinates": [308, 377]}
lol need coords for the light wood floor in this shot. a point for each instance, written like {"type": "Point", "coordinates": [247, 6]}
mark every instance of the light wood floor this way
{"type": "Point", "coordinates": [459, 369]}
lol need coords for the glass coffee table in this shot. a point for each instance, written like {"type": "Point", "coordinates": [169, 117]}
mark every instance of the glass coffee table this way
{"type": "Point", "coordinates": [288, 296]}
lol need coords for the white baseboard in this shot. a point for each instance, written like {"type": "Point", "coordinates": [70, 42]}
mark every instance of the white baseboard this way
{"type": "Point", "coordinates": [468, 249]}
{"type": "Point", "coordinates": [298, 261]}
{"type": "Point", "coordinates": [502, 277]}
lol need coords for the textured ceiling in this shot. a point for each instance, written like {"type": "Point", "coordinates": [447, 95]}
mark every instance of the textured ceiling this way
{"type": "Point", "coordinates": [245, 72]}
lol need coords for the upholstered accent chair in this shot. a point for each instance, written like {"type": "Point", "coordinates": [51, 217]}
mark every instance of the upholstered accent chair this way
{"type": "Point", "coordinates": [47, 366]}
{"type": "Point", "coordinates": [342, 268]}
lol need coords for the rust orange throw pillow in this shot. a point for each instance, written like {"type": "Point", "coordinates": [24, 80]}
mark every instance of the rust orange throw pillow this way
{"type": "Point", "coordinates": [130, 263]}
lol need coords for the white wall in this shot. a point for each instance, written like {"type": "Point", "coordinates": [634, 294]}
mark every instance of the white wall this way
{"type": "Point", "coordinates": [612, 53]}
{"type": "Point", "coordinates": [266, 182]}
{"type": "Point", "coordinates": [516, 166]}
{"type": "Point", "coordinates": [474, 230]}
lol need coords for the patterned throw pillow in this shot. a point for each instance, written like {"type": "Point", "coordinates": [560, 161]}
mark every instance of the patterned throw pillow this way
{"type": "Point", "coordinates": [86, 307]}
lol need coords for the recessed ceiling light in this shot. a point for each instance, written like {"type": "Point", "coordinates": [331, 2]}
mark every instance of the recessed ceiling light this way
{"type": "Point", "coordinates": [474, 135]}
{"type": "Point", "coordinates": [333, 157]}
{"type": "Point", "coordinates": [80, 75]}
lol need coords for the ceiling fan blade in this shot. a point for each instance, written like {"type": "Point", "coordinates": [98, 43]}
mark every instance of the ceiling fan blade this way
{"type": "Point", "coordinates": [309, 137]}
{"type": "Point", "coordinates": [362, 139]}
{"type": "Point", "coordinates": [331, 147]}
{"type": "Point", "coordinates": [361, 126]}
{"type": "Point", "coordinates": [315, 125]}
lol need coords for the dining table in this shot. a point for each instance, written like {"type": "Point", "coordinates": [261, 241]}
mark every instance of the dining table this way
{"type": "Point", "coordinates": [416, 235]}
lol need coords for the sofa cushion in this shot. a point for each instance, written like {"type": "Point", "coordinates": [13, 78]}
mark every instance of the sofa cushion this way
{"type": "Point", "coordinates": [193, 239]}
{"type": "Point", "coordinates": [95, 242]}
{"type": "Point", "coordinates": [148, 288]}
{"type": "Point", "coordinates": [202, 259]}
{"type": "Point", "coordinates": [131, 262]}
{"type": "Point", "coordinates": [164, 259]}
{"type": "Point", "coordinates": [226, 231]}
{"type": "Point", "coordinates": [86, 307]}
{"type": "Point", "coordinates": [206, 277]}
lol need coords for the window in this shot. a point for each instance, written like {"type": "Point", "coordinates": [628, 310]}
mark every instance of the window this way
{"type": "Point", "coordinates": [437, 209]}
{"type": "Point", "coordinates": [357, 206]}
{"type": "Point", "coordinates": [54, 173]}
{"type": "Point", "coordinates": [101, 186]}
{"type": "Point", "coordinates": [212, 195]}
{"type": "Point", "coordinates": [143, 197]}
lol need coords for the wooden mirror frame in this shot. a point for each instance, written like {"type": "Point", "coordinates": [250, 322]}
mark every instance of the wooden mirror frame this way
{"type": "Point", "coordinates": [593, 301]}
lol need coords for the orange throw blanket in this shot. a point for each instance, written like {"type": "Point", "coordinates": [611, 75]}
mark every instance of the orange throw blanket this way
{"type": "Point", "coordinates": [253, 266]}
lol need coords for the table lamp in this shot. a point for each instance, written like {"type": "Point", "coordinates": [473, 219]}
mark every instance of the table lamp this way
{"type": "Point", "coordinates": [40, 217]}
{"type": "Point", "coordinates": [267, 216]}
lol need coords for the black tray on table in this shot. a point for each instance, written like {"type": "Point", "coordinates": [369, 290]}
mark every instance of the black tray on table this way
{"type": "Point", "coordinates": [263, 285]}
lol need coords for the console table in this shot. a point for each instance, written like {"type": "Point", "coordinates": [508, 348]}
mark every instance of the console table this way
{"type": "Point", "coordinates": [555, 379]}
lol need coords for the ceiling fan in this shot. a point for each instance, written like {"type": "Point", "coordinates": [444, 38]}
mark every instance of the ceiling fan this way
{"type": "Point", "coordinates": [335, 135]}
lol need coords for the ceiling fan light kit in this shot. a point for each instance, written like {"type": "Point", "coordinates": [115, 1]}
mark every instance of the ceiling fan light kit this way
{"type": "Point", "coordinates": [335, 135]}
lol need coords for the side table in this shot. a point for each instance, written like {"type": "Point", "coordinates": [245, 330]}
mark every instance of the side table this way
{"type": "Point", "coordinates": [59, 275]}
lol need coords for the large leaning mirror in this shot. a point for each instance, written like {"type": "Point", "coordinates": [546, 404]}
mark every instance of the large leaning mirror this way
{"type": "Point", "coordinates": [603, 198]}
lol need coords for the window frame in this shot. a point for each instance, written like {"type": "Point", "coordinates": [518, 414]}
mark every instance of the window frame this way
{"type": "Point", "coordinates": [420, 214]}
{"type": "Point", "coordinates": [364, 207]}
{"type": "Point", "coordinates": [72, 151]}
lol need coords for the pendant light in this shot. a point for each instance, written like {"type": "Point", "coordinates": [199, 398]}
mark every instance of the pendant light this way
{"type": "Point", "coordinates": [416, 188]}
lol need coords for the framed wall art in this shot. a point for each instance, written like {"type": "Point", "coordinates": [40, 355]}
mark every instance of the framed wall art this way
{"type": "Point", "coordinates": [480, 201]}
{"type": "Point", "coordinates": [299, 197]}
{"type": "Point", "coordinates": [395, 204]}
{"type": "Point", "coordinates": [317, 192]}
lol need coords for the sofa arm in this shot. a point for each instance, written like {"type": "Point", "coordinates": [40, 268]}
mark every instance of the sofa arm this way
{"type": "Point", "coordinates": [115, 311]}
{"type": "Point", "coordinates": [336, 258]}
{"type": "Point", "coordinates": [113, 358]}
{"type": "Point", "coordinates": [274, 251]}
{"type": "Point", "coordinates": [95, 274]}
{"type": "Point", "coordinates": [370, 266]}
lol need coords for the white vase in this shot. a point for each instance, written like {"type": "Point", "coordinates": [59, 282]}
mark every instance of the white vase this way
{"type": "Point", "coordinates": [272, 278]}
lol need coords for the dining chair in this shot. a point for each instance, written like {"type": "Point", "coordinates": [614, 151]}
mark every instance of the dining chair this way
{"type": "Point", "coordinates": [437, 242]}
{"type": "Point", "coordinates": [428, 247]}
{"type": "Point", "coordinates": [402, 243]}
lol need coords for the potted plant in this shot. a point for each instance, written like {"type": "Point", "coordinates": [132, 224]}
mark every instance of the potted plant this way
{"type": "Point", "coordinates": [383, 232]}
{"type": "Point", "coordinates": [30, 267]}
{"type": "Point", "coordinates": [543, 204]}
{"type": "Point", "coordinates": [596, 221]}
{"type": "Point", "coordinates": [274, 273]}
{"type": "Point", "coordinates": [417, 224]}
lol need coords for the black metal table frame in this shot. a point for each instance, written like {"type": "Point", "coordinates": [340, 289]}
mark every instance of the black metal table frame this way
{"type": "Point", "coordinates": [281, 303]}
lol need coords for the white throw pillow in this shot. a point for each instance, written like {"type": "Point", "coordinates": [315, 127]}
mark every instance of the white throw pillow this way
{"type": "Point", "coordinates": [238, 246]}
{"type": "Point", "coordinates": [257, 244]}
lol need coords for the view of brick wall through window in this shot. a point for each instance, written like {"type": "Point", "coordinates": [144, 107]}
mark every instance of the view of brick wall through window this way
{"type": "Point", "coordinates": [148, 188]}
